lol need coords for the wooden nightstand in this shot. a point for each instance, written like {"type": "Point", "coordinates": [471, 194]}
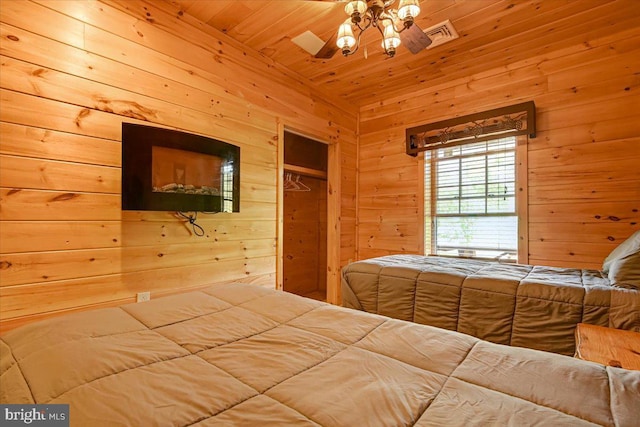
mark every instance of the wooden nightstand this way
{"type": "Point", "coordinates": [608, 346]}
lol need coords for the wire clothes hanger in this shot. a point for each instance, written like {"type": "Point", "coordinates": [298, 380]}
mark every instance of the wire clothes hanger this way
{"type": "Point", "coordinates": [294, 185]}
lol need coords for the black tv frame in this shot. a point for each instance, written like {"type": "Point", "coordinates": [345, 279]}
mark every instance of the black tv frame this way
{"type": "Point", "coordinates": [137, 192]}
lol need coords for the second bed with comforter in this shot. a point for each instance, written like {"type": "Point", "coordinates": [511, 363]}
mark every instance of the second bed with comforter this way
{"type": "Point", "coordinates": [520, 305]}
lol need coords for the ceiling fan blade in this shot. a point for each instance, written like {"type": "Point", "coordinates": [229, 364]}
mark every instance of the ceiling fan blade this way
{"type": "Point", "coordinates": [414, 39]}
{"type": "Point", "coordinates": [329, 49]}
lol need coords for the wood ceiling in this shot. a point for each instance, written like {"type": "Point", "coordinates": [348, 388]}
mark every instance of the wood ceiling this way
{"type": "Point", "coordinates": [493, 34]}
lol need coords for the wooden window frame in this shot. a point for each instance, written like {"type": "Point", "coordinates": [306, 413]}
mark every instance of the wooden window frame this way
{"type": "Point", "coordinates": [521, 196]}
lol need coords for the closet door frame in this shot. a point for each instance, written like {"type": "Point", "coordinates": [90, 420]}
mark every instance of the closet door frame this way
{"type": "Point", "coordinates": [333, 213]}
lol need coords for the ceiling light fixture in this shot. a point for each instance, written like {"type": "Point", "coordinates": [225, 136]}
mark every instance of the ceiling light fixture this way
{"type": "Point", "coordinates": [379, 14]}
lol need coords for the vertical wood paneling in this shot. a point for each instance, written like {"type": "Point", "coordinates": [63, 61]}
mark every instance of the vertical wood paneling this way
{"type": "Point", "coordinates": [335, 247]}
{"type": "Point", "coordinates": [72, 72]}
{"type": "Point", "coordinates": [583, 180]}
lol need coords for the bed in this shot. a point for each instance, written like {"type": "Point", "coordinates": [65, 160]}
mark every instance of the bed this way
{"type": "Point", "coordinates": [245, 355]}
{"type": "Point", "coordinates": [520, 305]}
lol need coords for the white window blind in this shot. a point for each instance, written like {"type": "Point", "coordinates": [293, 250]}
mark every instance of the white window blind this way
{"type": "Point", "coordinates": [472, 200]}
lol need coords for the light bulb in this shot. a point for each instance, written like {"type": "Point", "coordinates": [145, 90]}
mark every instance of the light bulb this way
{"type": "Point", "coordinates": [408, 9]}
{"type": "Point", "coordinates": [358, 6]}
{"type": "Point", "coordinates": [346, 38]}
{"type": "Point", "coordinates": [391, 38]}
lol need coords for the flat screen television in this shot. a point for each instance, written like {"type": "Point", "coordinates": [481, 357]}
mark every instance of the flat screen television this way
{"type": "Point", "coordinates": [169, 170]}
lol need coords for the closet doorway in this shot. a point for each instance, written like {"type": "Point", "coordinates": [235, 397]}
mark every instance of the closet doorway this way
{"type": "Point", "coordinates": [305, 216]}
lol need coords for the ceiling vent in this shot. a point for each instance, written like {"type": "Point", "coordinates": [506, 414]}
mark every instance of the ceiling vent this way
{"type": "Point", "coordinates": [441, 33]}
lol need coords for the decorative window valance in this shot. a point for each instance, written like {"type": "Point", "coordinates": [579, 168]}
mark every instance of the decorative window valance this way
{"type": "Point", "coordinates": [519, 119]}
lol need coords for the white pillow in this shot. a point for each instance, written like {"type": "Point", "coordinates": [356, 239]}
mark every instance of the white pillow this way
{"type": "Point", "coordinates": [625, 272]}
{"type": "Point", "coordinates": [628, 247]}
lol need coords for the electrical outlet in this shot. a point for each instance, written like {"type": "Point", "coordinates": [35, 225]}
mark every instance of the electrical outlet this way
{"type": "Point", "coordinates": [143, 296]}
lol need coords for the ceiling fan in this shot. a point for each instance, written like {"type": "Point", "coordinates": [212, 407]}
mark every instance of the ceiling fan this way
{"type": "Point", "coordinates": [396, 27]}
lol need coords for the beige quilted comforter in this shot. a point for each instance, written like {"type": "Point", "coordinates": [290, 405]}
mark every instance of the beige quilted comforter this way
{"type": "Point", "coordinates": [520, 305]}
{"type": "Point", "coordinates": [245, 355]}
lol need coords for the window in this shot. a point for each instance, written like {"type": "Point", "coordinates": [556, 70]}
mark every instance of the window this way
{"type": "Point", "coordinates": [470, 200]}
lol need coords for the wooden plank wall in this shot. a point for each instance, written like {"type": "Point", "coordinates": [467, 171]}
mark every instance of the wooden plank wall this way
{"type": "Point", "coordinates": [584, 179]}
{"type": "Point", "coordinates": [72, 72]}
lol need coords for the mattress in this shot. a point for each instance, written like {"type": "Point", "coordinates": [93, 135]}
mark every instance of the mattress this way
{"type": "Point", "coordinates": [520, 305]}
{"type": "Point", "coordinates": [246, 355]}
